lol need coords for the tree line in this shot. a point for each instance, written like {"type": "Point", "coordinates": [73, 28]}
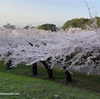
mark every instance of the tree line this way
{"type": "Point", "coordinates": [74, 23]}
{"type": "Point", "coordinates": [80, 23]}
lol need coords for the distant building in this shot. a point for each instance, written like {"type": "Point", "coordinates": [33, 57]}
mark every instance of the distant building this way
{"type": "Point", "coordinates": [8, 26]}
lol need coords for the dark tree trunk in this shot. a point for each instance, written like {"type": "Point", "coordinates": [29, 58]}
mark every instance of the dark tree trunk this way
{"type": "Point", "coordinates": [68, 75]}
{"type": "Point", "coordinates": [34, 69]}
{"type": "Point", "coordinates": [49, 71]}
{"type": "Point", "coordinates": [68, 78]}
{"type": "Point", "coordinates": [9, 63]}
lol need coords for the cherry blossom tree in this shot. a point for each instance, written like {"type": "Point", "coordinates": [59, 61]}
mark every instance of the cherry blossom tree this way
{"type": "Point", "coordinates": [73, 48]}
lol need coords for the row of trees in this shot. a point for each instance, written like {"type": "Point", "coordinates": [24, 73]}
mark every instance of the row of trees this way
{"type": "Point", "coordinates": [74, 23]}
{"type": "Point", "coordinates": [30, 46]}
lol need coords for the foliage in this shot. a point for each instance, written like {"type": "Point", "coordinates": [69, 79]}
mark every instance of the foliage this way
{"type": "Point", "coordinates": [26, 27]}
{"type": "Point", "coordinates": [51, 27]}
{"type": "Point", "coordinates": [79, 23]}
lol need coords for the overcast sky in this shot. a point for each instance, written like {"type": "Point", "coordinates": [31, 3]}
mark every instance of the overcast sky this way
{"type": "Point", "coordinates": [37, 12]}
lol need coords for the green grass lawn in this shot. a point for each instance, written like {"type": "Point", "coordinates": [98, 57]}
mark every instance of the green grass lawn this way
{"type": "Point", "coordinates": [33, 88]}
{"type": "Point", "coordinates": [20, 80]}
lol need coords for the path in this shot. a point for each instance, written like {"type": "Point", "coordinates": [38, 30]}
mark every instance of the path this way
{"type": "Point", "coordinates": [58, 65]}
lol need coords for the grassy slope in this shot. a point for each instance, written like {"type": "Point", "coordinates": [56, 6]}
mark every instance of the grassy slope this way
{"type": "Point", "coordinates": [33, 88]}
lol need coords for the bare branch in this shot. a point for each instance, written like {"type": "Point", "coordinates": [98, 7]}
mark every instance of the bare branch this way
{"type": "Point", "coordinates": [88, 9]}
